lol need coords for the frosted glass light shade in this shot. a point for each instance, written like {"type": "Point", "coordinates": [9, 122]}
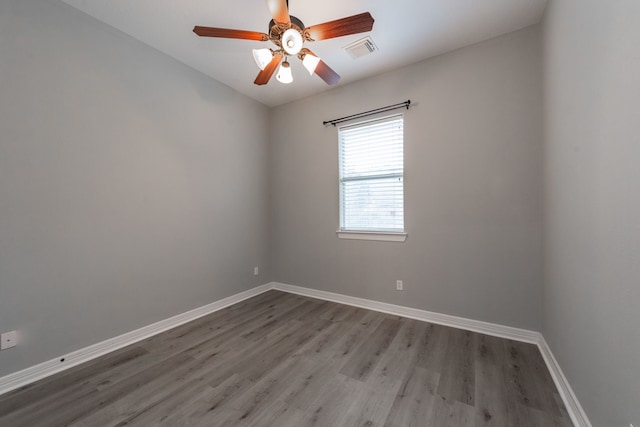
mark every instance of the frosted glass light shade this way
{"type": "Point", "coordinates": [310, 62]}
{"type": "Point", "coordinates": [291, 41]}
{"type": "Point", "coordinates": [262, 57]}
{"type": "Point", "coordinates": [284, 73]}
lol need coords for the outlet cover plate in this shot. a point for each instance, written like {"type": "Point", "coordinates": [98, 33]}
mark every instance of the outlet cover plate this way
{"type": "Point", "coordinates": [8, 340]}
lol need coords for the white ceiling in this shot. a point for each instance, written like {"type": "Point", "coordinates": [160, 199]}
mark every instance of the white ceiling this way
{"type": "Point", "coordinates": [405, 31]}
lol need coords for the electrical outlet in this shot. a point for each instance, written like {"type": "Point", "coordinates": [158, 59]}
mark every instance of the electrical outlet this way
{"type": "Point", "coordinates": [8, 340]}
{"type": "Point", "coordinates": [399, 285]}
{"type": "Point", "coordinates": [255, 271]}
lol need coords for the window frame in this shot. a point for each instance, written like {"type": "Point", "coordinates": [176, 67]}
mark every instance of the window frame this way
{"type": "Point", "coordinates": [380, 234]}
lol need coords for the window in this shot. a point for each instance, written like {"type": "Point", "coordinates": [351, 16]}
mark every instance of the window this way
{"type": "Point", "coordinates": [372, 179]}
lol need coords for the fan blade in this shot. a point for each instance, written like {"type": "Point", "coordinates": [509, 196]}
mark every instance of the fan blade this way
{"type": "Point", "coordinates": [230, 34]}
{"type": "Point", "coordinates": [325, 72]}
{"type": "Point", "coordinates": [322, 70]}
{"type": "Point", "coordinates": [341, 27]}
{"type": "Point", "coordinates": [265, 75]}
{"type": "Point", "coordinates": [279, 11]}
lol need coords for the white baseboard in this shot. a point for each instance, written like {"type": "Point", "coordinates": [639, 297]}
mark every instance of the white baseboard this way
{"type": "Point", "coordinates": [577, 414]}
{"type": "Point", "coordinates": [45, 369]}
{"type": "Point", "coordinates": [63, 362]}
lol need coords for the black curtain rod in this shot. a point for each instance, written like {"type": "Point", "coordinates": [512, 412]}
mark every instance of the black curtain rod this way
{"type": "Point", "coordinates": [404, 104]}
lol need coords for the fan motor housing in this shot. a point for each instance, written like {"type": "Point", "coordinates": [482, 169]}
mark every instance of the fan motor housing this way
{"type": "Point", "coordinates": [276, 30]}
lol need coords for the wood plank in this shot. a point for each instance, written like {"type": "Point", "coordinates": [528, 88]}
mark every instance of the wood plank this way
{"type": "Point", "coordinates": [354, 335]}
{"type": "Point", "coordinates": [415, 400]}
{"type": "Point", "coordinates": [372, 406]}
{"type": "Point", "coordinates": [526, 382]}
{"type": "Point", "coordinates": [67, 410]}
{"type": "Point", "coordinates": [362, 362]}
{"type": "Point", "coordinates": [49, 388]}
{"type": "Point", "coordinates": [447, 413]}
{"type": "Point", "coordinates": [457, 371]}
{"type": "Point", "coordinates": [280, 414]}
{"type": "Point", "coordinates": [492, 400]}
{"type": "Point", "coordinates": [432, 347]}
{"type": "Point", "coordinates": [332, 402]}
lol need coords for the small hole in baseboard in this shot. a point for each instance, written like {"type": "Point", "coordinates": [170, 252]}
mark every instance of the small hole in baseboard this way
{"type": "Point", "coordinates": [62, 360]}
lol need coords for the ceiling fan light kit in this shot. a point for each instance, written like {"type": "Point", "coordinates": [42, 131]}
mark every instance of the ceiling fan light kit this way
{"type": "Point", "coordinates": [289, 34]}
{"type": "Point", "coordinates": [262, 57]}
{"type": "Point", "coordinates": [310, 62]}
{"type": "Point", "coordinates": [284, 73]}
{"type": "Point", "coordinates": [291, 41]}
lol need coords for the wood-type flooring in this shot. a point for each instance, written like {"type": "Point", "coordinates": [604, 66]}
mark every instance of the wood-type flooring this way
{"type": "Point", "coordinates": [281, 359]}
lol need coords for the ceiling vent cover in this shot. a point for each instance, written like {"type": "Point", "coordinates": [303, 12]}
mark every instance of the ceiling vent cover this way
{"type": "Point", "coordinates": [361, 47]}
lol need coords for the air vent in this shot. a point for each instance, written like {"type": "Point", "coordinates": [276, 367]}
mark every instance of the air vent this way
{"type": "Point", "coordinates": [361, 47]}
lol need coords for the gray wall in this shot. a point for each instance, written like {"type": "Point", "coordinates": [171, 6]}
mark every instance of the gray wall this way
{"type": "Point", "coordinates": [473, 187]}
{"type": "Point", "coordinates": [592, 202]}
{"type": "Point", "coordinates": [131, 187]}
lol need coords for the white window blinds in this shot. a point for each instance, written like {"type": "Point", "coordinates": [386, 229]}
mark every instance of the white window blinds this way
{"type": "Point", "coordinates": [371, 175]}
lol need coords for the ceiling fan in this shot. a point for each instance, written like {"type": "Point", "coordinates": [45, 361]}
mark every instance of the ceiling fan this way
{"type": "Point", "coordinates": [288, 33]}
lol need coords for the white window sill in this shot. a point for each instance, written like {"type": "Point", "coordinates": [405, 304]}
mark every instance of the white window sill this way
{"type": "Point", "coordinates": [372, 235]}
